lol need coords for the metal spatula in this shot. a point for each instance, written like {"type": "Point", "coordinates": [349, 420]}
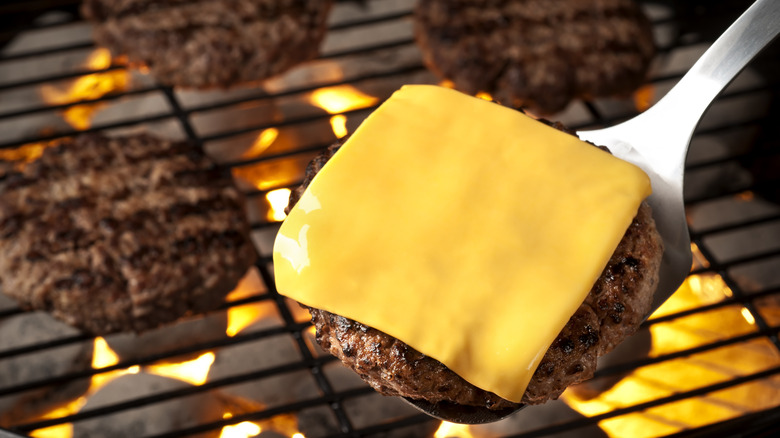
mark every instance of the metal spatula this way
{"type": "Point", "coordinates": [657, 141]}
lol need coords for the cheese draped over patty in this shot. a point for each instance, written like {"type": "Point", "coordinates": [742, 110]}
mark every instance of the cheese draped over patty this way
{"type": "Point", "coordinates": [466, 229]}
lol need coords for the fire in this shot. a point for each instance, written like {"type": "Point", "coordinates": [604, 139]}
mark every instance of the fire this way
{"type": "Point", "coordinates": [485, 96]}
{"type": "Point", "coordinates": [194, 371]}
{"type": "Point", "coordinates": [23, 154]}
{"type": "Point", "coordinates": [674, 375]}
{"type": "Point", "coordinates": [261, 143]}
{"type": "Point", "coordinates": [452, 430]}
{"type": "Point", "coordinates": [87, 87]}
{"type": "Point", "coordinates": [339, 125]}
{"type": "Point", "coordinates": [278, 200]}
{"type": "Point", "coordinates": [239, 317]}
{"type": "Point", "coordinates": [245, 429]}
{"type": "Point", "coordinates": [446, 83]}
{"type": "Point", "coordinates": [643, 97]}
{"type": "Point", "coordinates": [102, 357]}
{"type": "Point", "coordinates": [284, 424]}
{"type": "Point", "coordinates": [338, 99]}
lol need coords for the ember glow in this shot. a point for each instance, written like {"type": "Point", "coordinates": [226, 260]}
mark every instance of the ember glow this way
{"type": "Point", "coordinates": [194, 372]}
{"type": "Point", "coordinates": [644, 97]}
{"type": "Point", "coordinates": [277, 199]}
{"type": "Point", "coordinates": [23, 154]}
{"type": "Point", "coordinates": [672, 376]}
{"type": "Point", "coordinates": [261, 143]}
{"type": "Point", "coordinates": [339, 99]}
{"type": "Point", "coordinates": [240, 317]}
{"type": "Point", "coordinates": [92, 86]}
{"type": "Point", "coordinates": [452, 430]}
{"type": "Point", "coordinates": [102, 357]}
{"type": "Point", "coordinates": [245, 429]}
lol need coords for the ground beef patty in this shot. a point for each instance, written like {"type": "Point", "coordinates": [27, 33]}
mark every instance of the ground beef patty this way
{"type": "Point", "coordinates": [208, 43]}
{"type": "Point", "coordinates": [539, 54]}
{"type": "Point", "coordinates": [121, 234]}
{"type": "Point", "coordinates": [613, 310]}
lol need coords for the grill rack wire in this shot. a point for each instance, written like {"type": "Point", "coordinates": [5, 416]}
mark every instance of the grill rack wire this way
{"type": "Point", "coordinates": [761, 423]}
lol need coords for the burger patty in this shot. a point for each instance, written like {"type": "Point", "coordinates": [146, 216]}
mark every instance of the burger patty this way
{"type": "Point", "coordinates": [210, 43]}
{"type": "Point", "coordinates": [121, 234]}
{"type": "Point", "coordinates": [613, 310]}
{"type": "Point", "coordinates": [538, 54]}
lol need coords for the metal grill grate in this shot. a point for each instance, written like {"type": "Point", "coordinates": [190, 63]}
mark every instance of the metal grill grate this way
{"type": "Point", "coordinates": [728, 310]}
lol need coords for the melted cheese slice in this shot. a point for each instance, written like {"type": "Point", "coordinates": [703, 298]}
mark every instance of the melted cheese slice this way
{"type": "Point", "coordinates": [463, 228]}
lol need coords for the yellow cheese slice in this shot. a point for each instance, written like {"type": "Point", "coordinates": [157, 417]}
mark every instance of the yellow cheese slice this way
{"type": "Point", "coordinates": [463, 228]}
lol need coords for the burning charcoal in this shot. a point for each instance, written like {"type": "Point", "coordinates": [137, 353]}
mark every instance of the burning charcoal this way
{"type": "Point", "coordinates": [262, 354]}
{"type": "Point", "coordinates": [32, 329]}
{"type": "Point", "coordinates": [168, 338]}
{"type": "Point", "coordinates": [151, 419]}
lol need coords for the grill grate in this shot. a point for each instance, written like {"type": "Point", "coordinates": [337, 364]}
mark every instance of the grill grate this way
{"type": "Point", "coordinates": [731, 193]}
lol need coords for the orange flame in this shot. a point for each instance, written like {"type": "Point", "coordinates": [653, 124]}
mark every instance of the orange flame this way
{"type": "Point", "coordinates": [670, 376]}
{"type": "Point", "coordinates": [452, 430]}
{"type": "Point", "coordinates": [102, 357]}
{"type": "Point", "coordinates": [643, 97]}
{"type": "Point", "coordinates": [23, 154]}
{"type": "Point", "coordinates": [87, 87]}
{"type": "Point", "coordinates": [239, 317]}
{"type": "Point", "coordinates": [278, 200]}
{"type": "Point", "coordinates": [245, 429]}
{"type": "Point", "coordinates": [194, 372]}
{"type": "Point", "coordinates": [261, 143]}
{"type": "Point", "coordinates": [282, 424]}
{"type": "Point", "coordinates": [336, 100]}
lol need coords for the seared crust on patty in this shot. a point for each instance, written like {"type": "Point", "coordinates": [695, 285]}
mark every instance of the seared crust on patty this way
{"type": "Point", "coordinates": [121, 234]}
{"type": "Point", "coordinates": [539, 54]}
{"type": "Point", "coordinates": [616, 305]}
{"type": "Point", "coordinates": [210, 43]}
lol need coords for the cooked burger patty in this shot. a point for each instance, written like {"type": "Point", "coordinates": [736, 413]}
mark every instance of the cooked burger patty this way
{"type": "Point", "coordinates": [613, 310]}
{"type": "Point", "coordinates": [208, 43]}
{"type": "Point", "coordinates": [539, 54]}
{"type": "Point", "coordinates": [121, 234]}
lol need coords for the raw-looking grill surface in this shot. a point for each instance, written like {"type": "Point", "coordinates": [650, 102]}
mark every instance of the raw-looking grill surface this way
{"type": "Point", "coordinates": [706, 364]}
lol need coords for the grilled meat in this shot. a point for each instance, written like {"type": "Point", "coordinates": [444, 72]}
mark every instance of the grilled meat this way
{"type": "Point", "coordinates": [613, 310]}
{"type": "Point", "coordinates": [121, 234]}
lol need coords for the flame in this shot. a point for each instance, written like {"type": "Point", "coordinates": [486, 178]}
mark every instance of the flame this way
{"type": "Point", "coordinates": [278, 200]}
{"type": "Point", "coordinates": [484, 96]}
{"type": "Point", "coordinates": [643, 97]}
{"type": "Point", "coordinates": [338, 99]}
{"type": "Point", "coordinates": [748, 316]}
{"type": "Point", "coordinates": [87, 87]}
{"type": "Point", "coordinates": [674, 375]}
{"type": "Point", "coordinates": [261, 143]}
{"type": "Point", "coordinates": [746, 196]}
{"type": "Point", "coordinates": [282, 424]}
{"type": "Point", "coordinates": [446, 83]}
{"type": "Point", "coordinates": [239, 317]}
{"type": "Point", "coordinates": [452, 430]}
{"type": "Point", "coordinates": [339, 125]}
{"type": "Point", "coordinates": [245, 429]}
{"type": "Point", "coordinates": [194, 372]}
{"type": "Point", "coordinates": [25, 153]}
{"type": "Point", "coordinates": [103, 356]}
{"type": "Point", "coordinates": [698, 258]}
